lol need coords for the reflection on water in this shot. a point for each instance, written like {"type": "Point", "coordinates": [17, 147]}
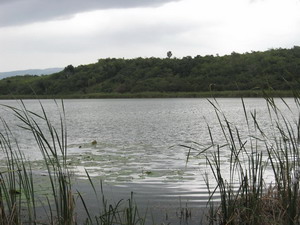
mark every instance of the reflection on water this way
{"type": "Point", "coordinates": [138, 141]}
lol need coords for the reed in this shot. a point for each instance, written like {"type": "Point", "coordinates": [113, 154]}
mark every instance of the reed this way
{"type": "Point", "coordinates": [19, 203]}
{"type": "Point", "coordinates": [112, 213]}
{"type": "Point", "coordinates": [245, 194]}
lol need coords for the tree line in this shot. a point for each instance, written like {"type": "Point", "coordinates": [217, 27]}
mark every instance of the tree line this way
{"type": "Point", "coordinates": [276, 68]}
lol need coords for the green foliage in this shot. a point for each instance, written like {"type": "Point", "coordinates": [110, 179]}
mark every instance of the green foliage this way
{"type": "Point", "coordinates": [278, 68]}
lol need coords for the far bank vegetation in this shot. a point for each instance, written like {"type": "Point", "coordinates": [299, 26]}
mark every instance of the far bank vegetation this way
{"type": "Point", "coordinates": [276, 68]}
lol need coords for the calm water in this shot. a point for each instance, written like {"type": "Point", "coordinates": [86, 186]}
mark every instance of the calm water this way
{"type": "Point", "coordinates": [138, 141]}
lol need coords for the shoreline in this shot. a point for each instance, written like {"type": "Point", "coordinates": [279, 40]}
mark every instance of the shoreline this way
{"type": "Point", "coordinates": [214, 94]}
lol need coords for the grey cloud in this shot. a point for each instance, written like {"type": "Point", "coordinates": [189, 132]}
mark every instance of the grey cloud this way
{"type": "Point", "coordinates": [20, 12]}
{"type": "Point", "coordinates": [123, 37]}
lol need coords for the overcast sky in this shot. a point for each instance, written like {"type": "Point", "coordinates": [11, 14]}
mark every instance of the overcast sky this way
{"type": "Point", "coordinates": [55, 33]}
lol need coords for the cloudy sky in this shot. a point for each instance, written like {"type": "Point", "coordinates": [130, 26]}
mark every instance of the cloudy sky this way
{"type": "Point", "coordinates": [55, 33]}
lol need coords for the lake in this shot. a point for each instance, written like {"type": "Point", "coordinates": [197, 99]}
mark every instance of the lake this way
{"type": "Point", "coordinates": [137, 144]}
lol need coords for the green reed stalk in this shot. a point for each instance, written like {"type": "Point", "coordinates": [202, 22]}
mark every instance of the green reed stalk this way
{"type": "Point", "coordinates": [240, 192]}
{"type": "Point", "coordinates": [112, 214]}
{"type": "Point", "coordinates": [251, 201]}
{"type": "Point", "coordinates": [18, 203]}
{"type": "Point", "coordinates": [53, 146]}
{"type": "Point", "coordinates": [285, 164]}
{"type": "Point", "coordinates": [16, 185]}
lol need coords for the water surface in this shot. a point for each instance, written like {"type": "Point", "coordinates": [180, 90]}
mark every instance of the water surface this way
{"type": "Point", "coordinates": [138, 142]}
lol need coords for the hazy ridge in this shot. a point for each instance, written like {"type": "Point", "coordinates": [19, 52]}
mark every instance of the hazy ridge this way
{"type": "Point", "coordinates": [30, 72]}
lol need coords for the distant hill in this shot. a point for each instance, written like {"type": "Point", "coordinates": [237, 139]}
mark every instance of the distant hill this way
{"type": "Point", "coordinates": [275, 68]}
{"type": "Point", "coordinates": [30, 72]}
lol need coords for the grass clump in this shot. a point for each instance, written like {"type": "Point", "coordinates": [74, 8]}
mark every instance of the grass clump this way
{"type": "Point", "coordinates": [18, 182]}
{"type": "Point", "coordinates": [20, 202]}
{"type": "Point", "coordinates": [259, 184]}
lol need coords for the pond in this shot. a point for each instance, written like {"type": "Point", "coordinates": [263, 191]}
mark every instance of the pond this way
{"type": "Point", "coordinates": [142, 145]}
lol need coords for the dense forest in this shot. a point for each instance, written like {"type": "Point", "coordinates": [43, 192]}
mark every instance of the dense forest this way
{"type": "Point", "coordinates": [276, 68]}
